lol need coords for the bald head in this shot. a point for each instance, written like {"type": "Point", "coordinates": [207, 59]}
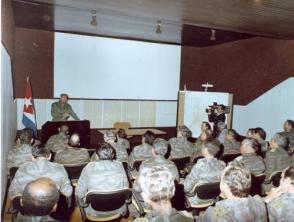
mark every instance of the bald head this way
{"type": "Point", "coordinates": [74, 140]}
{"type": "Point", "coordinates": [40, 197]}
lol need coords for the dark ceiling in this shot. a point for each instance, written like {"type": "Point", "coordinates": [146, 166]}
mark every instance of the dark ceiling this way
{"type": "Point", "coordinates": [187, 22]}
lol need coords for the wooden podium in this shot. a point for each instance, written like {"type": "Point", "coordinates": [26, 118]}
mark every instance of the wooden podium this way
{"type": "Point", "coordinates": [81, 127]}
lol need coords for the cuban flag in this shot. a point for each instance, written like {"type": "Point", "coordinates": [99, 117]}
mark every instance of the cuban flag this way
{"type": "Point", "coordinates": [29, 117]}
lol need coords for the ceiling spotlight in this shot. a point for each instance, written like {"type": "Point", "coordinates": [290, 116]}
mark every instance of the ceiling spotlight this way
{"type": "Point", "coordinates": [212, 36]}
{"type": "Point", "coordinates": [158, 28]}
{"type": "Point", "coordinates": [94, 18]}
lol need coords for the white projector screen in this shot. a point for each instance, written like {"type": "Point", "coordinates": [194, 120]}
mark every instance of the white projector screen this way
{"type": "Point", "coordinates": [106, 68]}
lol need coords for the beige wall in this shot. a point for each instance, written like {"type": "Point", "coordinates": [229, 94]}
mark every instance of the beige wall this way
{"type": "Point", "coordinates": [103, 113]}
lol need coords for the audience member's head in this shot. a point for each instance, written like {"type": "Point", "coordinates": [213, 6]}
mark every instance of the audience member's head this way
{"type": "Point", "coordinates": [278, 141]}
{"type": "Point", "coordinates": [250, 133]}
{"type": "Point", "coordinates": [63, 98]}
{"type": "Point", "coordinates": [109, 137]}
{"type": "Point", "coordinates": [41, 152]}
{"type": "Point", "coordinates": [184, 131]}
{"type": "Point", "coordinates": [40, 197]}
{"type": "Point", "coordinates": [249, 145]}
{"type": "Point", "coordinates": [105, 152]}
{"type": "Point", "coordinates": [206, 135]}
{"type": "Point", "coordinates": [121, 133]}
{"type": "Point", "coordinates": [288, 125]}
{"type": "Point", "coordinates": [210, 149]}
{"type": "Point", "coordinates": [235, 181]}
{"type": "Point", "coordinates": [205, 125]}
{"type": "Point", "coordinates": [160, 147]}
{"type": "Point", "coordinates": [148, 137]}
{"type": "Point", "coordinates": [64, 129]}
{"type": "Point", "coordinates": [74, 140]}
{"type": "Point", "coordinates": [157, 185]}
{"type": "Point", "coordinates": [26, 136]}
{"type": "Point", "coordinates": [259, 133]}
{"type": "Point", "coordinates": [287, 180]}
{"type": "Point", "coordinates": [221, 126]}
{"type": "Point", "coordinates": [231, 135]}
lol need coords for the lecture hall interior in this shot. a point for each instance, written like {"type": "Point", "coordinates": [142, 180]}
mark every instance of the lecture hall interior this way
{"type": "Point", "coordinates": [133, 77]}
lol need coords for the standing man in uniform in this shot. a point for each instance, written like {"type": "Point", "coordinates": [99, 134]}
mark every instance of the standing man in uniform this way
{"type": "Point", "coordinates": [61, 110]}
{"type": "Point", "coordinates": [217, 117]}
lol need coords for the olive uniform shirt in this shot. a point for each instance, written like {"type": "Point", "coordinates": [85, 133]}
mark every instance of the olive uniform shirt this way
{"type": "Point", "coordinates": [18, 155]}
{"type": "Point", "coordinates": [72, 155]}
{"type": "Point", "coordinates": [276, 160]}
{"type": "Point", "coordinates": [252, 162]}
{"type": "Point", "coordinates": [180, 147]}
{"type": "Point", "coordinates": [58, 111]}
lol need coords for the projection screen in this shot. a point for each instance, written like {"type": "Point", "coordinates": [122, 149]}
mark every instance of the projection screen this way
{"type": "Point", "coordinates": [106, 68]}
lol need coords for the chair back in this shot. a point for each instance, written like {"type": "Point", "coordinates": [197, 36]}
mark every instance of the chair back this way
{"type": "Point", "coordinates": [228, 157]}
{"type": "Point", "coordinates": [121, 125]}
{"type": "Point", "coordinates": [108, 201]}
{"type": "Point", "coordinates": [181, 162]}
{"type": "Point", "coordinates": [275, 178]}
{"type": "Point", "coordinates": [256, 184]}
{"type": "Point", "coordinates": [74, 171]}
{"type": "Point", "coordinates": [12, 172]}
{"type": "Point", "coordinates": [207, 191]}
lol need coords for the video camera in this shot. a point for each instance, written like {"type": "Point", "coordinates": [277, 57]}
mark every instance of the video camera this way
{"type": "Point", "coordinates": [213, 108]}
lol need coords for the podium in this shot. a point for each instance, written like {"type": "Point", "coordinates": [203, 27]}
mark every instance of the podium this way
{"type": "Point", "coordinates": [81, 127]}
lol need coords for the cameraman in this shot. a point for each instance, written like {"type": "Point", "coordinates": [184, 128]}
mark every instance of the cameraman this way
{"type": "Point", "coordinates": [216, 117]}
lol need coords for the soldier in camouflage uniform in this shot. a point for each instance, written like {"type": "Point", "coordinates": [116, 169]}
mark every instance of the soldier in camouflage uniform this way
{"type": "Point", "coordinates": [207, 169]}
{"type": "Point", "coordinates": [158, 187]}
{"type": "Point", "coordinates": [122, 139]}
{"type": "Point", "coordinates": [105, 174]}
{"type": "Point", "coordinates": [160, 148]}
{"type": "Point", "coordinates": [231, 145]}
{"type": "Point", "coordinates": [180, 146]}
{"type": "Point", "coordinates": [40, 167]}
{"type": "Point", "coordinates": [251, 161]}
{"type": "Point", "coordinates": [61, 110]}
{"type": "Point", "coordinates": [281, 200]}
{"type": "Point", "coordinates": [260, 136]}
{"type": "Point", "coordinates": [143, 151]}
{"type": "Point", "coordinates": [289, 134]}
{"type": "Point", "coordinates": [39, 199]}
{"type": "Point", "coordinates": [277, 159]}
{"type": "Point", "coordinates": [72, 154]}
{"type": "Point", "coordinates": [239, 206]}
{"type": "Point", "coordinates": [22, 152]}
{"type": "Point", "coordinates": [57, 142]}
{"type": "Point", "coordinates": [121, 153]}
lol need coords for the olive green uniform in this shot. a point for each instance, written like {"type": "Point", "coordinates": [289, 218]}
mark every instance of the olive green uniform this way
{"type": "Point", "coordinates": [59, 112]}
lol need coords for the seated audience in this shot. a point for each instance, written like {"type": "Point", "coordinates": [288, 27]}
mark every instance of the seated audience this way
{"type": "Point", "coordinates": [281, 199]}
{"type": "Point", "coordinates": [180, 146]}
{"type": "Point", "coordinates": [205, 136]}
{"type": "Point", "coordinates": [222, 129]}
{"type": "Point", "coordinates": [121, 153]}
{"type": "Point", "coordinates": [205, 126]}
{"type": "Point", "coordinates": [289, 134]}
{"type": "Point", "coordinates": [276, 158]}
{"type": "Point", "coordinates": [57, 142]}
{"type": "Point", "coordinates": [157, 185]}
{"type": "Point", "coordinates": [159, 150]}
{"type": "Point", "coordinates": [231, 145]}
{"type": "Point", "coordinates": [238, 205]}
{"type": "Point", "coordinates": [250, 133]}
{"type": "Point", "coordinates": [122, 139]}
{"type": "Point", "coordinates": [22, 151]}
{"type": "Point", "coordinates": [249, 158]}
{"type": "Point", "coordinates": [72, 154]}
{"type": "Point", "coordinates": [40, 166]}
{"type": "Point", "coordinates": [207, 169]}
{"type": "Point", "coordinates": [38, 200]}
{"type": "Point", "coordinates": [143, 151]}
{"type": "Point", "coordinates": [104, 174]}
{"type": "Point", "coordinates": [260, 136]}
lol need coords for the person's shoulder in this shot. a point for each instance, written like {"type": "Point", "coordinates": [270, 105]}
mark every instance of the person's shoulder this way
{"type": "Point", "coordinates": [55, 104]}
{"type": "Point", "coordinates": [173, 140]}
{"type": "Point", "coordinates": [217, 212]}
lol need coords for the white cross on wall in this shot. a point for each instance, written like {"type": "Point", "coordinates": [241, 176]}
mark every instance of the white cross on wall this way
{"type": "Point", "coordinates": [206, 86]}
